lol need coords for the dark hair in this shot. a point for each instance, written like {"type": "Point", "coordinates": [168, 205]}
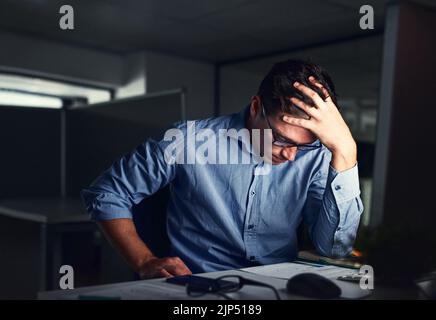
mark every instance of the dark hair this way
{"type": "Point", "coordinates": [277, 86]}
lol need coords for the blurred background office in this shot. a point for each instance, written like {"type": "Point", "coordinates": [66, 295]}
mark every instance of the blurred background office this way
{"type": "Point", "coordinates": [73, 101]}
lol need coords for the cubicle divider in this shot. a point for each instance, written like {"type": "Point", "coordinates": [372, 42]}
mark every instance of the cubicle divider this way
{"type": "Point", "coordinates": [30, 140]}
{"type": "Point", "coordinates": [97, 135]}
{"type": "Point", "coordinates": [56, 152]}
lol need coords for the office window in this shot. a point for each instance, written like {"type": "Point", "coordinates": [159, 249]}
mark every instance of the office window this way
{"type": "Point", "coordinates": [25, 91]}
{"type": "Point", "coordinates": [24, 99]}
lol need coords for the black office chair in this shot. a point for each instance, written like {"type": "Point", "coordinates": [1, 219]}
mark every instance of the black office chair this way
{"type": "Point", "coordinates": [303, 238]}
{"type": "Point", "coordinates": [149, 217]}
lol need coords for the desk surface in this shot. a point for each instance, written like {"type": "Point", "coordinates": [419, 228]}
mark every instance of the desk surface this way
{"type": "Point", "coordinates": [45, 210]}
{"type": "Point", "coordinates": [161, 290]}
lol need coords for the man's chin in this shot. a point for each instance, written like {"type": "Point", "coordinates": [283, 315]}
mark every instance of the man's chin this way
{"type": "Point", "coordinates": [275, 161]}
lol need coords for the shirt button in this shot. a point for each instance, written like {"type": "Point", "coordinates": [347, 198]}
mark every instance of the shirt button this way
{"type": "Point", "coordinates": [337, 187]}
{"type": "Point", "coordinates": [253, 193]}
{"type": "Point", "coordinates": [250, 226]}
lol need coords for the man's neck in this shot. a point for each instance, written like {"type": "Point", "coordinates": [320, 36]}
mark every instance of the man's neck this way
{"type": "Point", "coordinates": [248, 123]}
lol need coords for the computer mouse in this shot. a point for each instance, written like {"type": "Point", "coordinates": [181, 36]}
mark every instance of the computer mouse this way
{"type": "Point", "coordinates": [314, 286]}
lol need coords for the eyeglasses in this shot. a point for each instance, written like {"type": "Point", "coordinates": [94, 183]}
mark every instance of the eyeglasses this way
{"type": "Point", "coordinates": [224, 285]}
{"type": "Point", "coordinates": [282, 143]}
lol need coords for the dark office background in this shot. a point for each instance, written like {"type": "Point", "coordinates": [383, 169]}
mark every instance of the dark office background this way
{"type": "Point", "coordinates": [131, 68]}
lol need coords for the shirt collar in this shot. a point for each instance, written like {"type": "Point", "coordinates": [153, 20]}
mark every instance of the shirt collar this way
{"type": "Point", "coordinates": [238, 119]}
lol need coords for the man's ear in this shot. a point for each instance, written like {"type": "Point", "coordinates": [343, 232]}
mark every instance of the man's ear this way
{"type": "Point", "coordinates": [255, 107]}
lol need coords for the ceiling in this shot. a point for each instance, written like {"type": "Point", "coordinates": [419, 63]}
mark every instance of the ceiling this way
{"type": "Point", "coordinates": [210, 30]}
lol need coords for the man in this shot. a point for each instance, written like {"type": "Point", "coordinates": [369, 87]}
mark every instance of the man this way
{"type": "Point", "coordinates": [227, 217]}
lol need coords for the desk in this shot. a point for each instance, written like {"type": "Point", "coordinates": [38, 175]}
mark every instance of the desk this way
{"type": "Point", "coordinates": [54, 217]}
{"type": "Point", "coordinates": [161, 290]}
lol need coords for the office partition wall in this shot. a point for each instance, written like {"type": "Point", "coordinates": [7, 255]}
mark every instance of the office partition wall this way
{"type": "Point", "coordinates": [30, 151]}
{"type": "Point", "coordinates": [97, 135]}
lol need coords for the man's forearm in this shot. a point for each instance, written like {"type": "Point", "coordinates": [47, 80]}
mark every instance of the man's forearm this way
{"type": "Point", "coordinates": [123, 236]}
{"type": "Point", "coordinates": [344, 158]}
{"type": "Point", "coordinates": [339, 216]}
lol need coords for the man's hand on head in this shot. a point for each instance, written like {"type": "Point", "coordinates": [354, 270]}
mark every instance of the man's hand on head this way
{"type": "Point", "coordinates": [163, 268]}
{"type": "Point", "coordinates": [327, 124]}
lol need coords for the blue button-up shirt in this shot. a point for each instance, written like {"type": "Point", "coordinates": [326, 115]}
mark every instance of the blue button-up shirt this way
{"type": "Point", "coordinates": [226, 216]}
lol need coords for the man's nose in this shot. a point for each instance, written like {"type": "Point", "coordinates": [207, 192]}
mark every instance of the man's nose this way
{"type": "Point", "coordinates": [289, 153]}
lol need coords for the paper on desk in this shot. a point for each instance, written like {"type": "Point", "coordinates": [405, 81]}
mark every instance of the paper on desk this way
{"type": "Point", "coordinates": [289, 269]}
{"type": "Point", "coordinates": [144, 290]}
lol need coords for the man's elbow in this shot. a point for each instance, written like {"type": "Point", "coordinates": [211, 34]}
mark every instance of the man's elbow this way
{"type": "Point", "coordinates": [334, 248]}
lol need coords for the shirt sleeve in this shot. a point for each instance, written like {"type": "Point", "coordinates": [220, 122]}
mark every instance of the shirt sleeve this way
{"type": "Point", "coordinates": [332, 211]}
{"type": "Point", "coordinates": [132, 178]}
